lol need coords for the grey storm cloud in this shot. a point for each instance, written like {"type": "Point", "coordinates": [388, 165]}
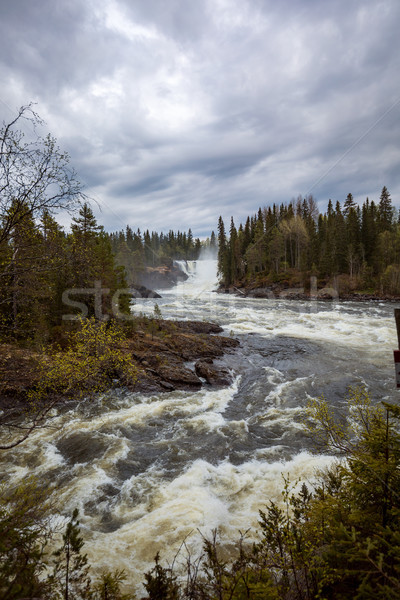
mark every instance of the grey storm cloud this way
{"type": "Point", "coordinates": [177, 111]}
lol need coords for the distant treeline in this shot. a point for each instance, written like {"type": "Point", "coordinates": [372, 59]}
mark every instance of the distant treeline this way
{"type": "Point", "coordinates": [136, 251]}
{"type": "Point", "coordinates": [288, 242]}
{"type": "Point", "coordinates": [39, 262]}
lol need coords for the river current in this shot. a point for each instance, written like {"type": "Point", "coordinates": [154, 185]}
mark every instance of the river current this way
{"type": "Point", "coordinates": [147, 471]}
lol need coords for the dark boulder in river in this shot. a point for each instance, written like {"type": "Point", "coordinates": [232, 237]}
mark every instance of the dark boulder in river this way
{"type": "Point", "coordinates": [140, 291]}
{"type": "Point", "coordinates": [163, 277]}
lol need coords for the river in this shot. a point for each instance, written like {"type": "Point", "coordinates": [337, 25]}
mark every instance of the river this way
{"type": "Point", "coordinates": [146, 471]}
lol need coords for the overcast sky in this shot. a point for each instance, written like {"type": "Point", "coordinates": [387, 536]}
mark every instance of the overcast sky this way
{"type": "Point", "coordinates": [177, 111]}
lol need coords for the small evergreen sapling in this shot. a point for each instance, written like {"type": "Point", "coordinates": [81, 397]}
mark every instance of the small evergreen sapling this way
{"type": "Point", "coordinates": [71, 571]}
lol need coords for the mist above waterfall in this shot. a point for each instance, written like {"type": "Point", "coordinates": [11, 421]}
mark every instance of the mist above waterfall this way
{"type": "Point", "coordinates": [208, 253]}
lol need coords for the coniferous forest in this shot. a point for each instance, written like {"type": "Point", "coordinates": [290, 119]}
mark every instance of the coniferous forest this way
{"type": "Point", "coordinates": [39, 261]}
{"type": "Point", "coordinates": [350, 248]}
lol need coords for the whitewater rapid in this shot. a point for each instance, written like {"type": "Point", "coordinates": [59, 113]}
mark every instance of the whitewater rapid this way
{"type": "Point", "coordinates": [145, 472]}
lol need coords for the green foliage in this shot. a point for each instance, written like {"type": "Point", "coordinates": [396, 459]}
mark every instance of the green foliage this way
{"type": "Point", "coordinates": [24, 534]}
{"type": "Point", "coordinates": [157, 312]}
{"type": "Point", "coordinates": [93, 359]}
{"type": "Point", "coordinates": [71, 571]}
{"type": "Point", "coordinates": [160, 583]}
{"type": "Point", "coordinates": [35, 178]}
{"type": "Point", "coordinates": [136, 251]}
{"type": "Point", "coordinates": [109, 587]}
{"type": "Point", "coordinates": [245, 577]}
{"type": "Point", "coordinates": [38, 261]}
{"type": "Point", "coordinates": [361, 510]}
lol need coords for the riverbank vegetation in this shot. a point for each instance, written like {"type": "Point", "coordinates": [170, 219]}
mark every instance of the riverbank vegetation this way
{"type": "Point", "coordinates": [349, 248]}
{"type": "Point", "coordinates": [145, 354]}
{"type": "Point", "coordinates": [334, 538]}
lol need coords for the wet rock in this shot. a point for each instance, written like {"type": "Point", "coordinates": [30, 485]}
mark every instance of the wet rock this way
{"type": "Point", "coordinates": [199, 326]}
{"type": "Point", "coordinates": [263, 292]}
{"type": "Point", "coordinates": [163, 277]}
{"type": "Point", "coordinates": [143, 292]}
{"type": "Point", "coordinates": [162, 359]}
{"type": "Point", "coordinates": [213, 375]}
{"type": "Point", "coordinates": [179, 376]}
{"type": "Point", "coordinates": [167, 386]}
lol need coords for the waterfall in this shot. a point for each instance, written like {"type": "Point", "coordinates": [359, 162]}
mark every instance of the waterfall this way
{"type": "Point", "coordinates": [202, 276]}
{"type": "Point", "coordinates": [186, 266]}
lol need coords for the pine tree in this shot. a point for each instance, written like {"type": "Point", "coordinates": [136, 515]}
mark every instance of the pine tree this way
{"type": "Point", "coordinates": [85, 225]}
{"type": "Point", "coordinates": [24, 536]}
{"type": "Point", "coordinates": [223, 254]}
{"type": "Point", "coordinates": [161, 583]}
{"type": "Point", "coordinates": [92, 261]}
{"type": "Point", "coordinates": [55, 276]}
{"type": "Point", "coordinates": [234, 253]}
{"type": "Point", "coordinates": [349, 204]}
{"type": "Point", "coordinates": [71, 571]}
{"type": "Point", "coordinates": [149, 252]}
{"type": "Point", "coordinates": [24, 279]}
{"type": "Point", "coordinates": [353, 235]}
{"type": "Point", "coordinates": [339, 253]}
{"type": "Point", "coordinates": [109, 587]}
{"type": "Point", "coordinates": [83, 242]}
{"type": "Point", "coordinates": [129, 237]}
{"type": "Point", "coordinates": [213, 243]}
{"type": "Point", "coordinates": [246, 236]}
{"type": "Point", "coordinates": [385, 211]}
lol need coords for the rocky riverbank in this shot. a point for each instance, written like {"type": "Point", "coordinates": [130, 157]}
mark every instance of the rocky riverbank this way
{"type": "Point", "coordinates": [168, 355]}
{"type": "Point", "coordinates": [277, 291]}
{"type": "Point", "coordinates": [180, 356]}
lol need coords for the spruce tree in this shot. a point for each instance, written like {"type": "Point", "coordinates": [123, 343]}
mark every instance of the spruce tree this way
{"type": "Point", "coordinates": [71, 571]}
{"type": "Point", "coordinates": [24, 278]}
{"type": "Point", "coordinates": [234, 253]}
{"type": "Point", "coordinates": [213, 243]}
{"type": "Point", "coordinates": [223, 254]}
{"type": "Point", "coordinates": [385, 211]}
{"type": "Point", "coordinates": [348, 205]}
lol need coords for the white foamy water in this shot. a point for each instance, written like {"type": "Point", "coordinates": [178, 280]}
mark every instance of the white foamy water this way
{"type": "Point", "coordinates": [146, 471]}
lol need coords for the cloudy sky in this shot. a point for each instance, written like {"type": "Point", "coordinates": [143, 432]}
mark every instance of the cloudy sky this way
{"type": "Point", "coordinates": [177, 111]}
